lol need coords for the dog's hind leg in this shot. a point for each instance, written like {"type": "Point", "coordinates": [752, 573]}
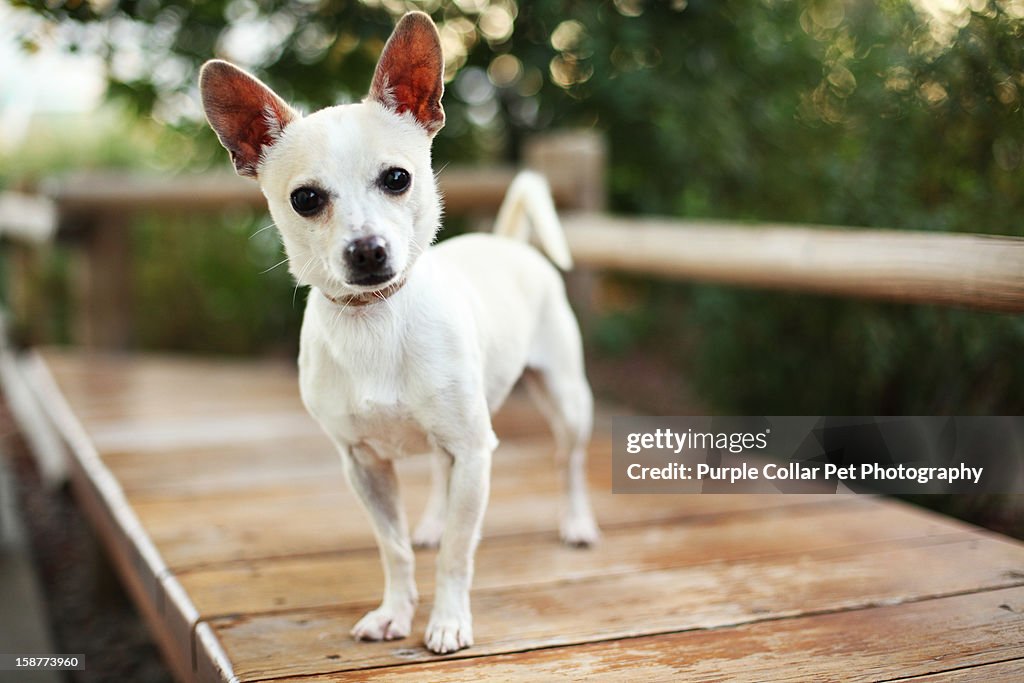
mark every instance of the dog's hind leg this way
{"type": "Point", "coordinates": [568, 404]}
{"type": "Point", "coordinates": [557, 382]}
{"type": "Point", "coordinates": [431, 525]}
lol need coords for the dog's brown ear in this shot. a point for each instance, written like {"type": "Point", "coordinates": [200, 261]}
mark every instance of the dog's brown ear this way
{"type": "Point", "coordinates": [247, 116]}
{"type": "Point", "coordinates": [410, 73]}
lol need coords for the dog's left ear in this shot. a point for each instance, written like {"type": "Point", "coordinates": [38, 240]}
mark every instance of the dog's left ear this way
{"type": "Point", "coordinates": [410, 73]}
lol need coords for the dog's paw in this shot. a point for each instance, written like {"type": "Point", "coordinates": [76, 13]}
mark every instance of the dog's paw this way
{"type": "Point", "coordinates": [428, 532]}
{"type": "Point", "coordinates": [446, 635]}
{"type": "Point", "coordinates": [579, 531]}
{"type": "Point", "coordinates": [383, 623]}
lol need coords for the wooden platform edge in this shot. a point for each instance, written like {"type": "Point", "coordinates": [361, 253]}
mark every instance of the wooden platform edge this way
{"type": "Point", "coordinates": [167, 610]}
{"type": "Point", "coordinates": [211, 662]}
{"type": "Point", "coordinates": [44, 444]}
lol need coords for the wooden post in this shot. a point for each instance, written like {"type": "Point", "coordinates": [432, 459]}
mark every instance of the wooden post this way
{"type": "Point", "coordinates": [28, 224]}
{"type": "Point", "coordinates": [30, 308]}
{"type": "Point", "coordinates": [571, 159]}
{"type": "Point", "coordinates": [103, 283]}
{"type": "Point", "coordinates": [576, 160]}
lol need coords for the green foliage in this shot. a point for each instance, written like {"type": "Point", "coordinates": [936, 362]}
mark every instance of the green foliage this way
{"type": "Point", "coordinates": [805, 355]}
{"type": "Point", "coordinates": [783, 111]}
{"type": "Point", "coordinates": [215, 284]}
{"type": "Point", "coordinates": [821, 111]}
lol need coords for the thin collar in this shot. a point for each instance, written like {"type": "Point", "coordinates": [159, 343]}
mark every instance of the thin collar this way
{"type": "Point", "coordinates": [365, 298]}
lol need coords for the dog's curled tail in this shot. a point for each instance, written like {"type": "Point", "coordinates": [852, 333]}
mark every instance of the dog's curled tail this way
{"type": "Point", "coordinates": [529, 197]}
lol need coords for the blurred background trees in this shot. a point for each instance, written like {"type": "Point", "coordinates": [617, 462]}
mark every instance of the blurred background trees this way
{"type": "Point", "coordinates": [901, 114]}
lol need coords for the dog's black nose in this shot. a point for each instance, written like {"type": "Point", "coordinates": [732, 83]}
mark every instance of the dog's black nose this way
{"type": "Point", "coordinates": [367, 260]}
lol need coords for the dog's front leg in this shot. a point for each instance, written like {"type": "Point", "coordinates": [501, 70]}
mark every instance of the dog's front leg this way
{"type": "Point", "coordinates": [431, 525]}
{"type": "Point", "coordinates": [451, 624]}
{"type": "Point", "coordinates": [373, 480]}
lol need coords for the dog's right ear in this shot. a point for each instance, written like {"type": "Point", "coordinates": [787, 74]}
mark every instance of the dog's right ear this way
{"type": "Point", "coordinates": [247, 116]}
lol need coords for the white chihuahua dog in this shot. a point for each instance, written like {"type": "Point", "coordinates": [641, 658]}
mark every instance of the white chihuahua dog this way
{"type": "Point", "coordinates": [407, 349]}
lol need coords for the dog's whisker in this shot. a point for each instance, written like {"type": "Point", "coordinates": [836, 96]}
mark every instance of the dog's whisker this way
{"type": "Point", "coordinates": [338, 314]}
{"type": "Point", "coordinates": [266, 227]}
{"type": "Point", "coordinates": [298, 280]}
{"type": "Point", "coordinates": [279, 263]}
{"type": "Point", "coordinates": [380, 295]}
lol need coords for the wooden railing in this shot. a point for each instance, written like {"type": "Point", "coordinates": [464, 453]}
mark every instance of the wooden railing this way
{"type": "Point", "coordinates": [978, 271]}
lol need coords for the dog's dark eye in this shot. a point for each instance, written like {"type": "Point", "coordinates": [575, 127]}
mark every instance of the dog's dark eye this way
{"type": "Point", "coordinates": [395, 180]}
{"type": "Point", "coordinates": [307, 202]}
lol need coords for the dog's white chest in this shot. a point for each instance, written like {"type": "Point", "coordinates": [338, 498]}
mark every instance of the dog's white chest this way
{"type": "Point", "coordinates": [390, 432]}
{"type": "Point", "coordinates": [363, 411]}
{"type": "Point", "coordinates": [364, 394]}
{"type": "Point", "coordinates": [360, 415]}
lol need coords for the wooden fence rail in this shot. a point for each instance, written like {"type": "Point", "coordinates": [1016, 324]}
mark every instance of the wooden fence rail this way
{"type": "Point", "coordinates": [978, 271]}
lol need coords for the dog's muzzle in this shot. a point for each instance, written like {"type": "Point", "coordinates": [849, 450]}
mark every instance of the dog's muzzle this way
{"type": "Point", "coordinates": [367, 261]}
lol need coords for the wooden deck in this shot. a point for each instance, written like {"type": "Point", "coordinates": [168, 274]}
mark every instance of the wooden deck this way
{"type": "Point", "coordinates": [227, 516]}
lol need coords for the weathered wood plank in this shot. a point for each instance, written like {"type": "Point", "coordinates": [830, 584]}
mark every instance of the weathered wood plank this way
{"type": "Point", "coordinates": [222, 464]}
{"type": "Point", "coordinates": [143, 390]}
{"type": "Point", "coordinates": [338, 579]}
{"type": "Point", "coordinates": [289, 520]}
{"type": "Point", "coordinates": [1009, 671]}
{"type": "Point", "coordinates": [308, 462]}
{"type": "Point", "coordinates": [883, 643]}
{"type": "Point", "coordinates": [708, 596]}
{"type": "Point", "coordinates": [121, 389]}
{"type": "Point", "coordinates": [224, 468]}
